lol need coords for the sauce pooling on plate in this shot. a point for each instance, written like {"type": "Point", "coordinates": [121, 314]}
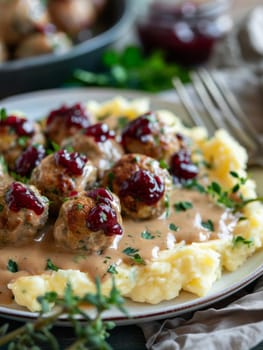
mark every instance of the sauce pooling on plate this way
{"type": "Point", "coordinates": [146, 237]}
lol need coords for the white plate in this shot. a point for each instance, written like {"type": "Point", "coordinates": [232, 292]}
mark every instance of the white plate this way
{"type": "Point", "coordinates": [36, 105]}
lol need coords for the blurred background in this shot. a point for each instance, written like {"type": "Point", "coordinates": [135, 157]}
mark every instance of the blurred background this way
{"type": "Point", "coordinates": [53, 43]}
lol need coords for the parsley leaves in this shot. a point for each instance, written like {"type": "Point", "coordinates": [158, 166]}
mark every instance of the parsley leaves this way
{"type": "Point", "coordinates": [182, 206]}
{"type": "Point", "coordinates": [12, 266]}
{"type": "Point", "coordinates": [131, 68]}
{"type": "Point", "coordinates": [173, 227]}
{"type": "Point", "coordinates": [133, 253]}
{"type": "Point", "coordinates": [112, 269]}
{"type": "Point", "coordinates": [51, 266]}
{"type": "Point", "coordinates": [241, 240]}
{"type": "Point", "coordinates": [147, 235]}
{"type": "Point", "coordinates": [208, 225]}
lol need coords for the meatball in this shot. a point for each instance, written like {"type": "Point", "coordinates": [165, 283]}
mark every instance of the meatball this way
{"type": "Point", "coordinates": [71, 16]}
{"type": "Point", "coordinates": [62, 173]}
{"type": "Point", "coordinates": [16, 134]}
{"type": "Point", "coordinates": [89, 221]}
{"type": "Point", "coordinates": [43, 43]}
{"type": "Point", "coordinates": [149, 135]}
{"type": "Point", "coordinates": [98, 143]}
{"type": "Point", "coordinates": [141, 184]}
{"type": "Point", "coordinates": [65, 121]}
{"type": "Point", "coordinates": [29, 159]}
{"type": "Point", "coordinates": [19, 18]}
{"type": "Point", "coordinates": [23, 212]}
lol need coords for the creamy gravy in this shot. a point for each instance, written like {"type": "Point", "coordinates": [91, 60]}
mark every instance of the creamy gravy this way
{"type": "Point", "coordinates": [148, 237]}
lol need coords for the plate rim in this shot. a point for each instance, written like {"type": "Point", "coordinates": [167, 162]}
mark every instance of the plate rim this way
{"type": "Point", "coordinates": [172, 311]}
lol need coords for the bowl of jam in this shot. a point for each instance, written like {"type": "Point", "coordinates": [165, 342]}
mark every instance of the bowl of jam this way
{"type": "Point", "coordinates": [186, 30]}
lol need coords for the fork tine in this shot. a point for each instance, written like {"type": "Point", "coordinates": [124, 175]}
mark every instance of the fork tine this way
{"type": "Point", "coordinates": [207, 102]}
{"type": "Point", "coordinates": [249, 141]}
{"type": "Point", "coordinates": [232, 102]}
{"type": "Point", "coordinates": [187, 103]}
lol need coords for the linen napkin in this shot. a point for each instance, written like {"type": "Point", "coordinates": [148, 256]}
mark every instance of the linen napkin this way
{"type": "Point", "coordinates": [238, 325]}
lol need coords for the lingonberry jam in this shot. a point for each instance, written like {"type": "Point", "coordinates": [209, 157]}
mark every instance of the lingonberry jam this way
{"type": "Point", "coordinates": [100, 132]}
{"type": "Point", "coordinates": [74, 162]}
{"type": "Point", "coordinates": [186, 31]}
{"type": "Point", "coordinates": [20, 126]}
{"type": "Point", "coordinates": [144, 187]}
{"type": "Point", "coordinates": [181, 166]}
{"type": "Point", "coordinates": [140, 128]}
{"type": "Point", "coordinates": [100, 195]}
{"type": "Point", "coordinates": [29, 159]}
{"type": "Point", "coordinates": [75, 115]}
{"type": "Point", "coordinates": [103, 217]}
{"type": "Point", "coordinates": [19, 196]}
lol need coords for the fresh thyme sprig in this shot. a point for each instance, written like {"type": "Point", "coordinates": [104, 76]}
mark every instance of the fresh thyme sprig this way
{"type": "Point", "coordinates": [227, 199]}
{"type": "Point", "coordinates": [231, 198]}
{"type": "Point", "coordinates": [91, 332]}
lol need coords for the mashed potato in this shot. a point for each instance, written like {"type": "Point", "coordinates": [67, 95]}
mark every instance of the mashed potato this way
{"type": "Point", "coordinates": [190, 267]}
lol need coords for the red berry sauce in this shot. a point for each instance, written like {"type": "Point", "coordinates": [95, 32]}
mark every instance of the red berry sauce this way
{"type": "Point", "coordinates": [20, 196]}
{"type": "Point", "coordinates": [100, 132]}
{"type": "Point", "coordinates": [74, 162]}
{"type": "Point", "coordinates": [75, 115]}
{"type": "Point", "coordinates": [100, 195]}
{"type": "Point", "coordinates": [181, 167]}
{"type": "Point", "coordinates": [21, 126]}
{"type": "Point", "coordinates": [29, 159]}
{"type": "Point", "coordinates": [140, 128]}
{"type": "Point", "coordinates": [102, 216]}
{"type": "Point", "coordinates": [144, 187]}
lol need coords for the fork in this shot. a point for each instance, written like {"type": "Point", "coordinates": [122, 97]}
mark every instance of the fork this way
{"type": "Point", "coordinates": [222, 111]}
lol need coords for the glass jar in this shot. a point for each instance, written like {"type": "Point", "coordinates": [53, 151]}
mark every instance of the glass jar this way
{"type": "Point", "coordinates": [186, 30]}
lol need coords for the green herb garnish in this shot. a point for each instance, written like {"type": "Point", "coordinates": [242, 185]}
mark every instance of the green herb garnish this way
{"type": "Point", "coordinates": [12, 266]}
{"type": "Point", "coordinates": [182, 206]}
{"type": "Point", "coordinates": [221, 196]}
{"type": "Point", "coordinates": [224, 197]}
{"type": "Point", "coordinates": [3, 164]}
{"type": "Point", "coordinates": [79, 206]}
{"type": "Point", "coordinates": [122, 122]}
{"type": "Point", "coordinates": [194, 185]}
{"type": "Point", "coordinates": [163, 164]}
{"type": "Point", "coordinates": [22, 141]}
{"type": "Point", "coordinates": [241, 240]}
{"type": "Point", "coordinates": [132, 69]}
{"type": "Point", "coordinates": [147, 235]}
{"type": "Point", "coordinates": [51, 266]}
{"type": "Point", "coordinates": [208, 225]}
{"type": "Point", "coordinates": [90, 332]}
{"type": "Point", "coordinates": [167, 205]}
{"type": "Point", "coordinates": [173, 227]}
{"type": "Point", "coordinates": [110, 180]}
{"type": "Point", "coordinates": [112, 269]}
{"type": "Point", "coordinates": [3, 114]}
{"type": "Point", "coordinates": [133, 253]}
